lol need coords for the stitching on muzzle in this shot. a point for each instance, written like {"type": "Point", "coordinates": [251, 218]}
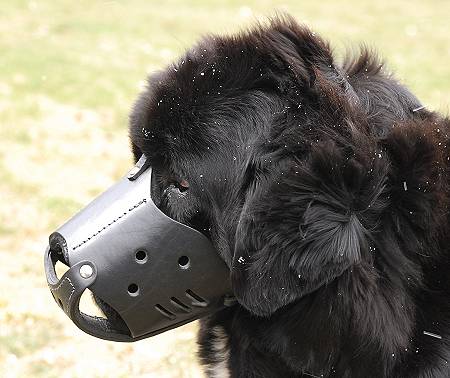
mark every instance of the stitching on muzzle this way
{"type": "Point", "coordinates": [54, 290]}
{"type": "Point", "coordinates": [110, 223]}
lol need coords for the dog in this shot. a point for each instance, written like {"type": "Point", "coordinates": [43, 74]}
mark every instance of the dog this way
{"type": "Point", "coordinates": [324, 187]}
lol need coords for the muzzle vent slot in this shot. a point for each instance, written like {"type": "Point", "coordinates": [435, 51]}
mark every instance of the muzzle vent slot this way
{"type": "Point", "coordinates": [180, 305]}
{"type": "Point", "coordinates": [196, 299]}
{"type": "Point", "coordinates": [164, 311]}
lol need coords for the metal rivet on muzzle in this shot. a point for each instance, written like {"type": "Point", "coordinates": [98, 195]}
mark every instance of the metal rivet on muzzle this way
{"type": "Point", "coordinates": [86, 271]}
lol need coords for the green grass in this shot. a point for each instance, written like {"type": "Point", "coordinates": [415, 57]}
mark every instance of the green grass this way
{"type": "Point", "coordinates": [69, 73]}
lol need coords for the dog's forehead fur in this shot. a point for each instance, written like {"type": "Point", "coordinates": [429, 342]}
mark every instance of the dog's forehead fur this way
{"type": "Point", "coordinates": [193, 97]}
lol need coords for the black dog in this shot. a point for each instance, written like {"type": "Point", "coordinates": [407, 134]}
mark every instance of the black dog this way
{"type": "Point", "coordinates": [325, 190]}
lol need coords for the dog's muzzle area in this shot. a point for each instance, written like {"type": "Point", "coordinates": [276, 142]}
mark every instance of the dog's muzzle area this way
{"type": "Point", "coordinates": [148, 273]}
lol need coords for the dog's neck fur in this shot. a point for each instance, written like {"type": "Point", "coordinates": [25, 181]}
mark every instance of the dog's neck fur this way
{"type": "Point", "coordinates": [387, 330]}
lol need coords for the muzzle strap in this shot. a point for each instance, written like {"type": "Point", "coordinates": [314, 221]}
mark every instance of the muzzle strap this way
{"type": "Point", "coordinates": [67, 293]}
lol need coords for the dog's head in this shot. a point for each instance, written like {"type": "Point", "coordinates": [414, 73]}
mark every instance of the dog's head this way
{"type": "Point", "coordinates": [259, 142]}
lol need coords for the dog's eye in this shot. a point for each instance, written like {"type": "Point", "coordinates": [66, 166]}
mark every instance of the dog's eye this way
{"type": "Point", "coordinates": [165, 185]}
{"type": "Point", "coordinates": [180, 185]}
{"type": "Point", "coordinates": [183, 185]}
{"type": "Point", "coordinates": [167, 180]}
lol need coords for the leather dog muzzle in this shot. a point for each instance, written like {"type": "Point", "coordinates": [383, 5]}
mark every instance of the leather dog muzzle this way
{"type": "Point", "coordinates": [155, 272]}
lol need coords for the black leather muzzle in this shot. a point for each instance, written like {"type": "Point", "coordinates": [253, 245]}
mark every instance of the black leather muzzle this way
{"type": "Point", "coordinates": [154, 272]}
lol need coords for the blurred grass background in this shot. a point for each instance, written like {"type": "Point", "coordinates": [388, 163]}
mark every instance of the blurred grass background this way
{"type": "Point", "coordinates": [69, 73]}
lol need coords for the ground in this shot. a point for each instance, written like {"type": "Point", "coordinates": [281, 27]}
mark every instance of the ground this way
{"type": "Point", "coordinates": [69, 72]}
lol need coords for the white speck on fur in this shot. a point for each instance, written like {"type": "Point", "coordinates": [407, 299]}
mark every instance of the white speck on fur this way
{"type": "Point", "coordinates": [419, 108]}
{"type": "Point", "coordinates": [432, 334]}
{"type": "Point", "coordinates": [221, 354]}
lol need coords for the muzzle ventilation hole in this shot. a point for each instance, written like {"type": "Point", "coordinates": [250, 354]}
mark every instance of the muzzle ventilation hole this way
{"type": "Point", "coordinates": [183, 262]}
{"type": "Point", "coordinates": [179, 305]}
{"type": "Point", "coordinates": [196, 299]}
{"type": "Point", "coordinates": [133, 290]}
{"type": "Point", "coordinates": [141, 256]}
{"type": "Point", "coordinates": [164, 311]}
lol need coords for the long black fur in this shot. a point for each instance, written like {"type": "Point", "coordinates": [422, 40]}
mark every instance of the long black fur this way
{"type": "Point", "coordinates": [324, 187]}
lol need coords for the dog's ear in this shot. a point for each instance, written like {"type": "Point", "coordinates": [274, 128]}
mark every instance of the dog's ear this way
{"type": "Point", "coordinates": [303, 227]}
{"type": "Point", "coordinates": [306, 220]}
{"type": "Point", "coordinates": [296, 55]}
{"type": "Point", "coordinates": [419, 155]}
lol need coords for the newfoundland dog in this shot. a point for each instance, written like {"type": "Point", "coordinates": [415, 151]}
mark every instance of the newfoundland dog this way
{"type": "Point", "coordinates": [325, 189]}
